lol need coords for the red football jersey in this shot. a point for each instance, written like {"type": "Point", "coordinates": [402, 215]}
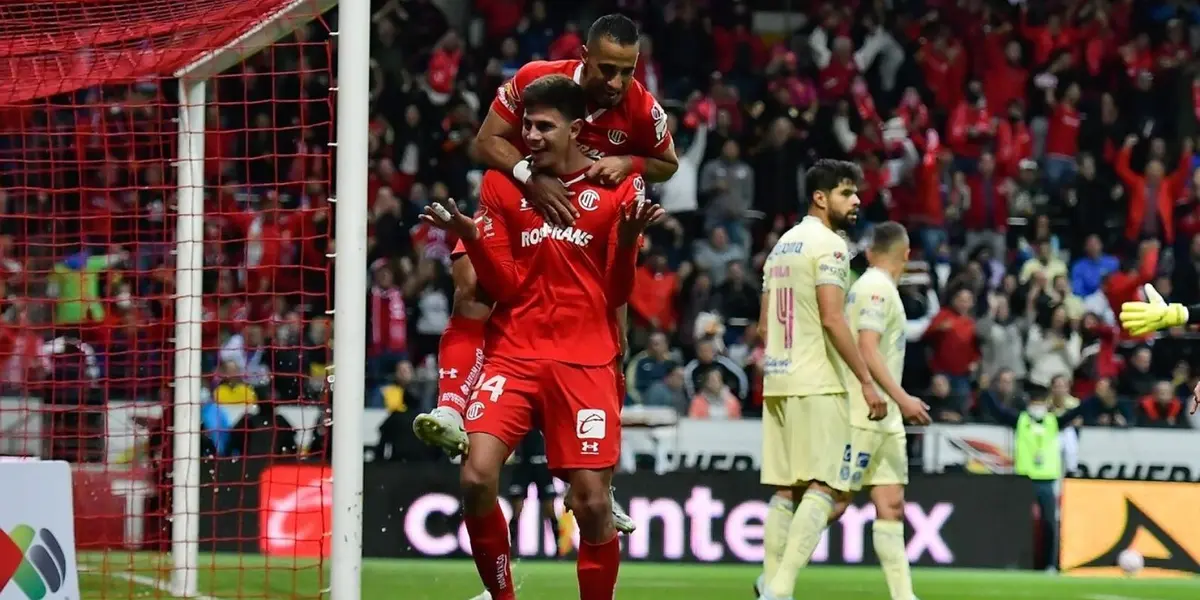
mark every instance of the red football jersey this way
{"type": "Point", "coordinates": [637, 126]}
{"type": "Point", "coordinates": [556, 288]}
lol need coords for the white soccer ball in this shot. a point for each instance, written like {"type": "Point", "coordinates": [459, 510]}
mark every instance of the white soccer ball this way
{"type": "Point", "coordinates": [1130, 561]}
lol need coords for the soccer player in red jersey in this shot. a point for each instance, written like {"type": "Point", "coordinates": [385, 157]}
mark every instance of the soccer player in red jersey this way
{"type": "Point", "coordinates": [625, 129]}
{"type": "Point", "coordinates": [553, 336]}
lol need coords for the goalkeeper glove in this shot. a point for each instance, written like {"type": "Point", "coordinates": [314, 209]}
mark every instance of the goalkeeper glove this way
{"type": "Point", "coordinates": [1140, 318]}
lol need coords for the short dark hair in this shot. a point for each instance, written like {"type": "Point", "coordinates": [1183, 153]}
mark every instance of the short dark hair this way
{"type": "Point", "coordinates": [616, 27]}
{"type": "Point", "coordinates": [558, 92]}
{"type": "Point", "coordinates": [885, 236]}
{"type": "Point", "coordinates": [829, 173]}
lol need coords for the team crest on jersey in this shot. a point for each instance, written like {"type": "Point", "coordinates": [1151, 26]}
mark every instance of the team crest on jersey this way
{"type": "Point", "coordinates": [507, 94]}
{"type": "Point", "coordinates": [659, 116]}
{"type": "Point", "coordinates": [589, 200]}
{"type": "Point", "coordinates": [617, 137]}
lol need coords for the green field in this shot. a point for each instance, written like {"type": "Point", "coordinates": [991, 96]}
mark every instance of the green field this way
{"type": "Point", "coordinates": [227, 577]}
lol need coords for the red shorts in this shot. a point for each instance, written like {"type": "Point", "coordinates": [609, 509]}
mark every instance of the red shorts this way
{"type": "Point", "coordinates": [577, 408]}
{"type": "Point", "coordinates": [460, 361]}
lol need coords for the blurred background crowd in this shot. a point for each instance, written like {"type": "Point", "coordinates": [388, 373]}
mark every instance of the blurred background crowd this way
{"type": "Point", "coordinates": [1040, 154]}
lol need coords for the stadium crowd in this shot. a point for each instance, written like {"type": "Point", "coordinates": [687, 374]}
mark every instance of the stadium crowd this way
{"type": "Point", "coordinates": [1040, 154]}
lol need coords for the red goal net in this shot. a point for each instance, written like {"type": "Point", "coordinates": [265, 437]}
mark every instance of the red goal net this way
{"type": "Point", "coordinates": [90, 117]}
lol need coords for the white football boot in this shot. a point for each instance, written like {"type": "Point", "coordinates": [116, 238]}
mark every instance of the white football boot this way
{"type": "Point", "coordinates": [621, 519]}
{"type": "Point", "coordinates": [442, 428]}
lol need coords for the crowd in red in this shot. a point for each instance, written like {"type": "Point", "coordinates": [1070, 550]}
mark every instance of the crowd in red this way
{"type": "Point", "coordinates": [1006, 136]}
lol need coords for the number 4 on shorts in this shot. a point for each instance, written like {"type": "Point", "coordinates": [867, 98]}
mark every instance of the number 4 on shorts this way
{"type": "Point", "coordinates": [493, 385]}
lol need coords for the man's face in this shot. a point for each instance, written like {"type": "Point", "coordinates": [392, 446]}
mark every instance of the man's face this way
{"type": "Point", "coordinates": [729, 151]}
{"type": "Point", "coordinates": [1004, 384]}
{"type": "Point", "coordinates": [1059, 387]}
{"type": "Point", "coordinates": [607, 70]}
{"type": "Point", "coordinates": [705, 352]}
{"type": "Point", "coordinates": [658, 344]}
{"type": "Point", "coordinates": [964, 301]}
{"type": "Point", "coordinates": [1092, 246]}
{"type": "Point", "coordinates": [842, 203]}
{"type": "Point", "coordinates": [1141, 360]}
{"type": "Point", "coordinates": [548, 134]}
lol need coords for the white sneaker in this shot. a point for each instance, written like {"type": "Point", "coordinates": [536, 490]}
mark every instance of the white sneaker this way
{"type": "Point", "coordinates": [442, 428]}
{"type": "Point", "coordinates": [621, 519]}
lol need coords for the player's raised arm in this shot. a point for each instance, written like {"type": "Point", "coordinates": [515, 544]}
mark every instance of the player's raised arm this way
{"type": "Point", "coordinates": [484, 238]}
{"type": "Point", "coordinates": [636, 215]}
{"type": "Point", "coordinates": [493, 147]}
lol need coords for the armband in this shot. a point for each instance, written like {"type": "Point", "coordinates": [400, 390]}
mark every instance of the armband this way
{"type": "Point", "coordinates": [521, 171]}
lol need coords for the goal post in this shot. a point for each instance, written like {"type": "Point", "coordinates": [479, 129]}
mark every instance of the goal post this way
{"type": "Point", "coordinates": [350, 258]}
{"type": "Point", "coordinates": [350, 284]}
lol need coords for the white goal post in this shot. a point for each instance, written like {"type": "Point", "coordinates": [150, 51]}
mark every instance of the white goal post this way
{"type": "Point", "coordinates": [350, 259]}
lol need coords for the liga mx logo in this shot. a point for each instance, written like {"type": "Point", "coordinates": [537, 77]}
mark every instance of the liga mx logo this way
{"type": "Point", "coordinates": [33, 561]}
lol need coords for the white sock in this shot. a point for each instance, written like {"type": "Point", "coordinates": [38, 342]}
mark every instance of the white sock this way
{"type": "Point", "coordinates": [804, 533]}
{"type": "Point", "coordinates": [888, 537]}
{"type": "Point", "coordinates": [779, 518]}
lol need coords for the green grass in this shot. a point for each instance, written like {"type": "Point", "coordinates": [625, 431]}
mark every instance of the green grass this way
{"type": "Point", "coordinates": [227, 577]}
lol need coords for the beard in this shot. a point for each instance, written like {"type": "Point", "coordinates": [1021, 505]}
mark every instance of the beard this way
{"type": "Point", "coordinates": [845, 221]}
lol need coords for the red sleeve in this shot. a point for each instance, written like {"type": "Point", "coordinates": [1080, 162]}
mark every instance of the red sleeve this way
{"type": "Point", "coordinates": [648, 124]}
{"type": "Point", "coordinates": [490, 253]}
{"type": "Point", "coordinates": [508, 103]}
{"type": "Point", "coordinates": [622, 261]}
{"type": "Point", "coordinates": [458, 250]}
{"type": "Point", "coordinates": [1121, 166]}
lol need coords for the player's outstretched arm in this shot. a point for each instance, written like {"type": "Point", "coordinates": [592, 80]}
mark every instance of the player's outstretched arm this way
{"type": "Point", "coordinates": [489, 249]}
{"type": "Point", "coordinates": [634, 218]}
{"type": "Point", "coordinates": [1140, 318]}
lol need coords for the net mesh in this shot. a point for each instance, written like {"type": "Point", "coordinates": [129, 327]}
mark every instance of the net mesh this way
{"type": "Point", "coordinates": [89, 113]}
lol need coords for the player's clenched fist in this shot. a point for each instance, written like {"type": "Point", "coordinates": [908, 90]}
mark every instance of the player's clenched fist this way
{"type": "Point", "coordinates": [444, 214]}
{"type": "Point", "coordinates": [635, 217]}
{"type": "Point", "coordinates": [1140, 318]}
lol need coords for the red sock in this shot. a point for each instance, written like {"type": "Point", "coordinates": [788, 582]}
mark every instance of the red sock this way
{"type": "Point", "coordinates": [490, 549]}
{"type": "Point", "coordinates": [460, 360]}
{"type": "Point", "coordinates": [597, 568]}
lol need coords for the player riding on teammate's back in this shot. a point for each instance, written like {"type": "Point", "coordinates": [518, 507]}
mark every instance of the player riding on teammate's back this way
{"type": "Point", "coordinates": [624, 127]}
{"type": "Point", "coordinates": [556, 286]}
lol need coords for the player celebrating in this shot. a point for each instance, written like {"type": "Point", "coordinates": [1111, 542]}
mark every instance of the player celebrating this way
{"type": "Point", "coordinates": [879, 447]}
{"type": "Point", "coordinates": [806, 451]}
{"type": "Point", "coordinates": [625, 128]}
{"type": "Point", "coordinates": [552, 338]}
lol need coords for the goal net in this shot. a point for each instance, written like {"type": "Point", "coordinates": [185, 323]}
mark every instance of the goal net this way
{"type": "Point", "coordinates": [165, 239]}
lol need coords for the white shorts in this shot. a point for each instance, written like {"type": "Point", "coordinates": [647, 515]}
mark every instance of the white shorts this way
{"type": "Point", "coordinates": [880, 458]}
{"type": "Point", "coordinates": [807, 438]}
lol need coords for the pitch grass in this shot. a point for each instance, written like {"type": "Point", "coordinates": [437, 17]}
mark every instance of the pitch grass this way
{"type": "Point", "coordinates": [229, 577]}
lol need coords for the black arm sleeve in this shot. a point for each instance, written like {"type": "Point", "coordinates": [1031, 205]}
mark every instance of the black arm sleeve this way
{"type": "Point", "coordinates": [1193, 314]}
